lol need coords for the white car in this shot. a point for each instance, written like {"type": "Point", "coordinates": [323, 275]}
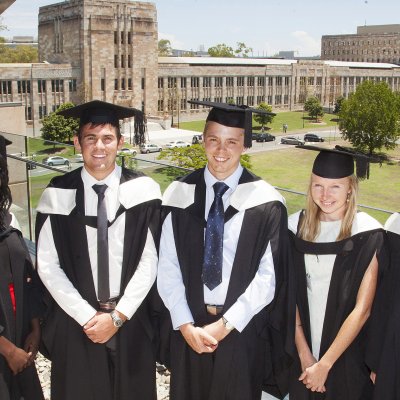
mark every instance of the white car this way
{"type": "Point", "coordinates": [128, 152]}
{"type": "Point", "coordinates": [150, 148]}
{"type": "Point", "coordinates": [177, 143]}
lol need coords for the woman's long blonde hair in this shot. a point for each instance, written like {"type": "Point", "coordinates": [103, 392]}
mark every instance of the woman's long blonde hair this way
{"type": "Point", "coordinates": [310, 223]}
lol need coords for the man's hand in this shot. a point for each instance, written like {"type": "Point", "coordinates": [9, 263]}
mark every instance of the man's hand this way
{"type": "Point", "coordinates": [198, 339]}
{"type": "Point", "coordinates": [217, 330]}
{"type": "Point", "coordinates": [17, 359]}
{"type": "Point", "coordinates": [32, 341]}
{"type": "Point", "coordinates": [100, 328]}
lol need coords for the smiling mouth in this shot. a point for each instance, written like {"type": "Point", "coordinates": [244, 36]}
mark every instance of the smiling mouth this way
{"type": "Point", "coordinates": [220, 159]}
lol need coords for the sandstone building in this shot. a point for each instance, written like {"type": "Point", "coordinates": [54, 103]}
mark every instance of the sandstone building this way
{"type": "Point", "coordinates": [112, 44]}
{"type": "Point", "coordinates": [371, 43]}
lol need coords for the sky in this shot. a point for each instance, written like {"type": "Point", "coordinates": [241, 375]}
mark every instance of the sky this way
{"type": "Point", "coordinates": [267, 26]}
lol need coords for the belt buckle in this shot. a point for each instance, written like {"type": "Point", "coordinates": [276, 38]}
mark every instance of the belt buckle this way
{"type": "Point", "coordinates": [108, 306]}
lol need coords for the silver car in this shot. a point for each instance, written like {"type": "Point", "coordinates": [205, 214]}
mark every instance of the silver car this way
{"type": "Point", "coordinates": [55, 160]}
{"type": "Point", "coordinates": [150, 148]}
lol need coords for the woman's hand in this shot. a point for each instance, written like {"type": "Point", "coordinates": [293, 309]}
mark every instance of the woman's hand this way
{"type": "Point", "coordinates": [314, 377]}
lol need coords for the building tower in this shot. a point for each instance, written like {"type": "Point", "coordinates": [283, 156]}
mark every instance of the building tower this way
{"type": "Point", "coordinates": [112, 43]}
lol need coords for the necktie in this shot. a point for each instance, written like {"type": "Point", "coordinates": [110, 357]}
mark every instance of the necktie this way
{"type": "Point", "coordinates": [103, 285]}
{"type": "Point", "coordinates": [213, 243]}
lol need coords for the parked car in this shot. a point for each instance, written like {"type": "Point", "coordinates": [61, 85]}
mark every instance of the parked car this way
{"type": "Point", "coordinates": [55, 160]}
{"type": "Point", "coordinates": [292, 140]}
{"type": "Point", "coordinates": [312, 137]}
{"type": "Point", "coordinates": [197, 139]}
{"type": "Point", "coordinates": [30, 165]}
{"type": "Point", "coordinates": [128, 152]}
{"type": "Point", "coordinates": [78, 158]}
{"type": "Point", "coordinates": [254, 135]}
{"type": "Point", "coordinates": [150, 148]}
{"type": "Point", "coordinates": [177, 143]}
{"type": "Point", "coordinates": [265, 137]}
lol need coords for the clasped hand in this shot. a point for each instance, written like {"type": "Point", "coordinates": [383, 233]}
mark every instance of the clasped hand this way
{"type": "Point", "coordinates": [314, 377]}
{"type": "Point", "coordinates": [205, 339]}
{"type": "Point", "coordinates": [100, 329]}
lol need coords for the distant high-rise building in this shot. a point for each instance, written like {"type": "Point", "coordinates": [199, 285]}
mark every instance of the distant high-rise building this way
{"type": "Point", "coordinates": [371, 43]}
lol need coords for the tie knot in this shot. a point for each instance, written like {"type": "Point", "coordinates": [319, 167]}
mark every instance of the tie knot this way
{"type": "Point", "coordinates": [100, 189]}
{"type": "Point", "coordinates": [220, 188]}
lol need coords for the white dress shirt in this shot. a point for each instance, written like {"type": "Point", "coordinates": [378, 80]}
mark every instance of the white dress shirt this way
{"type": "Point", "coordinates": [258, 294]}
{"type": "Point", "coordinates": [60, 287]}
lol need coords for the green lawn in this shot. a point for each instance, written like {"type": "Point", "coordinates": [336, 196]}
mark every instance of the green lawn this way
{"type": "Point", "coordinates": [290, 169]}
{"type": "Point", "coordinates": [294, 120]}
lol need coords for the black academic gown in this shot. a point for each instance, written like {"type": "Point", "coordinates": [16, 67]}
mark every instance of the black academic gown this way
{"type": "Point", "coordinates": [16, 267]}
{"type": "Point", "coordinates": [349, 377]}
{"type": "Point", "coordinates": [236, 370]}
{"type": "Point", "coordinates": [80, 368]}
{"type": "Point", "coordinates": [383, 352]}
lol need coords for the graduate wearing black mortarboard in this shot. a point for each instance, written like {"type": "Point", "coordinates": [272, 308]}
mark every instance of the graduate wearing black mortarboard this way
{"type": "Point", "coordinates": [20, 303]}
{"type": "Point", "coordinates": [339, 258]}
{"type": "Point", "coordinates": [222, 269]}
{"type": "Point", "coordinates": [97, 230]}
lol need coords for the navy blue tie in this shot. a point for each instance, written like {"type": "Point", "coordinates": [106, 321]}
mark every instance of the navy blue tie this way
{"type": "Point", "coordinates": [103, 280]}
{"type": "Point", "coordinates": [213, 243]}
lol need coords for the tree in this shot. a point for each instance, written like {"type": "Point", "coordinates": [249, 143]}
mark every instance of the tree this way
{"type": "Point", "coordinates": [262, 118]}
{"type": "Point", "coordinates": [242, 50]}
{"type": "Point", "coordinates": [221, 50]}
{"type": "Point", "coordinates": [164, 48]}
{"type": "Point", "coordinates": [57, 128]}
{"type": "Point", "coordinates": [338, 104]}
{"type": "Point", "coordinates": [370, 118]}
{"type": "Point", "coordinates": [193, 157]}
{"type": "Point", "coordinates": [313, 107]}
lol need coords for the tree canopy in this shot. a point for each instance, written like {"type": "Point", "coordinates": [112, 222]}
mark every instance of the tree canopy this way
{"type": "Point", "coordinates": [262, 118]}
{"type": "Point", "coordinates": [164, 48]}
{"type": "Point", "coordinates": [193, 157]}
{"type": "Point", "coordinates": [57, 128]}
{"type": "Point", "coordinates": [370, 118]}
{"type": "Point", "coordinates": [18, 54]}
{"type": "Point", "coordinates": [313, 107]}
{"type": "Point", "coordinates": [223, 50]}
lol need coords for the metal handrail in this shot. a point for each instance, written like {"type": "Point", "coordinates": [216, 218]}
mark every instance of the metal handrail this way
{"type": "Point", "coordinates": [185, 169]}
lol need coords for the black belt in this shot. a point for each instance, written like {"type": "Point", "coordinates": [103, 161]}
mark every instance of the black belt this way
{"type": "Point", "coordinates": [109, 305]}
{"type": "Point", "coordinates": [214, 309]}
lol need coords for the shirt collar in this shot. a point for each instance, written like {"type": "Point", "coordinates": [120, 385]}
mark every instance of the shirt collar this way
{"type": "Point", "coordinates": [112, 180]}
{"type": "Point", "coordinates": [232, 180]}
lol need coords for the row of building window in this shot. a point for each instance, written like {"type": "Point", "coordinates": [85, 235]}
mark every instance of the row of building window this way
{"type": "Point", "coordinates": [239, 100]}
{"type": "Point", "coordinates": [122, 37]}
{"type": "Point", "coordinates": [24, 86]}
{"type": "Point", "coordinates": [361, 51]}
{"type": "Point", "coordinates": [362, 42]}
{"type": "Point", "coordinates": [122, 64]}
{"type": "Point", "coordinates": [229, 81]}
{"type": "Point", "coordinates": [122, 84]}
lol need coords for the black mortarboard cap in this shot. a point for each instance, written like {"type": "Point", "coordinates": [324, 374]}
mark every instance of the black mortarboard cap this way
{"type": "Point", "coordinates": [233, 116]}
{"type": "Point", "coordinates": [3, 144]}
{"type": "Point", "coordinates": [338, 162]}
{"type": "Point", "coordinates": [100, 112]}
